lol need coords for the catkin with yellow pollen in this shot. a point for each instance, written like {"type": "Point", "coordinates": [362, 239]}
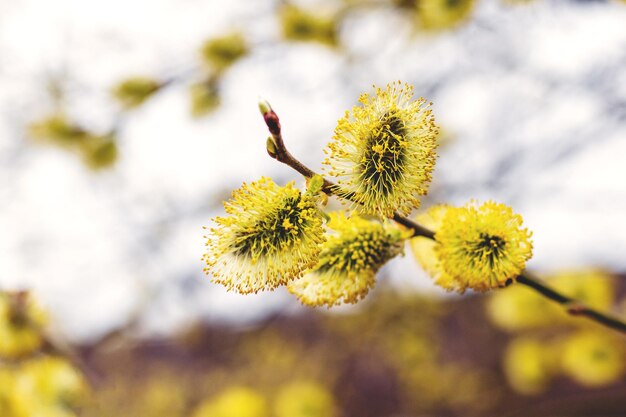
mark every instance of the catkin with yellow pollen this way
{"type": "Point", "coordinates": [482, 247]}
{"type": "Point", "coordinates": [383, 151]}
{"type": "Point", "coordinates": [271, 236]}
{"type": "Point", "coordinates": [349, 261]}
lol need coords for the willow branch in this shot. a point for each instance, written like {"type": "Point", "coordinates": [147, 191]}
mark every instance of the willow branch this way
{"type": "Point", "coordinates": [276, 149]}
{"type": "Point", "coordinates": [572, 306]}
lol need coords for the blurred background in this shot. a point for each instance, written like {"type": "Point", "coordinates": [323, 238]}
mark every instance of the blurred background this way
{"type": "Point", "coordinates": [125, 124]}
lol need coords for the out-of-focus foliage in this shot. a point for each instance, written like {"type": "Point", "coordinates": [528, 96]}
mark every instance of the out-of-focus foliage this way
{"type": "Point", "coordinates": [42, 386]}
{"type": "Point", "coordinates": [528, 365]}
{"type": "Point", "coordinates": [307, 25]}
{"type": "Point", "coordinates": [594, 288]}
{"type": "Point", "coordinates": [590, 358]}
{"type": "Point", "coordinates": [304, 399]}
{"type": "Point", "coordinates": [594, 358]}
{"type": "Point", "coordinates": [99, 152]}
{"type": "Point", "coordinates": [33, 383]}
{"type": "Point", "coordinates": [204, 97]}
{"type": "Point", "coordinates": [518, 307]}
{"type": "Point", "coordinates": [234, 402]}
{"type": "Point", "coordinates": [96, 151]}
{"type": "Point", "coordinates": [386, 356]}
{"type": "Point", "coordinates": [397, 354]}
{"type": "Point", "coordinates": [134, 91]}
{"type": "Point", "coordinates": [57, 129]}
{"type": "Point", "coordinates": [221, 52]}
{"type": "Point", "coordinates": [217, 55]}
{"type": "Point", "coordinates": [21, 320]}
{"type": "Point", "coordinates": [404, 330]}
{"type": "Point", "coordinates": [443, 14]}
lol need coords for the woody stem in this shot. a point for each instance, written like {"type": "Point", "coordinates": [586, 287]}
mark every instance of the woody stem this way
{"type": "Point", "coordinates": [279, 151]}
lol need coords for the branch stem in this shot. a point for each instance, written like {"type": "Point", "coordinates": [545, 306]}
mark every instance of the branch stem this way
{"type": "Point", "coordinates": [573, 307]}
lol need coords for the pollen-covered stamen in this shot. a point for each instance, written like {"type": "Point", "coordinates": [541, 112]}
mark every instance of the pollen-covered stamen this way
{"type": "Point", "coordinates": [369, 250]}
{"type": "Point", "coordinates": [383, 151]}
{"type": "Point", "coordinates": [277, 230]}
{"type": "Point", "coordinates": [489, 248]}
{"type": "Point", "coordinates": [382, 164]}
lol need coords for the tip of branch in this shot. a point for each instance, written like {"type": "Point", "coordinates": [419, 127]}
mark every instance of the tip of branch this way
{"type": "Point", "coordinates": [264, 106]}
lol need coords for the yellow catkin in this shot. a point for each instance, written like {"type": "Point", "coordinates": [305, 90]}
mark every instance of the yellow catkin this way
{"type": "Point", "coordinates": [271, 236]}
{"type": "Point", "coordinates": [383, 151]}
{"type": "Point", "coordinates": [480, 247]}
{"type": "Point", "coordinates": [349, 261]}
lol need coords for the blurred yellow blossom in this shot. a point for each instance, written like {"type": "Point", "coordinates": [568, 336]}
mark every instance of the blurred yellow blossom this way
{"type": "Point", "coordinates": [304, 399]}
{"type": "Point", "coordinates": [443, 14]}
{"type": "Point", "coordinates": [302, 25]}
{"type": "Point", "coordinates": [57, 129]}
{"type": "Point", "coordinates": [51, 380]}
{"type": "Point", "coordinates": [204, 97]}
{"type": "Point", "coordinates": [234, 402]}
{"type": "Point", "coordinates": [517, 307]}
{"type": "Point", "coordinates": [593, 358]}
{"type": "Point", "coordinates": [528, 365]}
{"type": "Point", "coordinates": [42, 387]}
{"type": "Point", "coordinates": [21, 320]}
{"type": "Point", "coordinates": [134, 91]}
{"type": "Point", "coordinates": [593, 287]}
{"type": "Point", "coordinates": [99, 152]}
{"type": "Point", "coordinates": [223, 51]}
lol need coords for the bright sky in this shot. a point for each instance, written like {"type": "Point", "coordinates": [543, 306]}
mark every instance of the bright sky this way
{"type": "Point", "coordinates": [534, 96]}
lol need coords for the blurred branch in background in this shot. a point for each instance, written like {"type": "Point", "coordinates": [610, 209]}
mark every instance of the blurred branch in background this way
{"type": "Point", "coordinates": [217, 55]}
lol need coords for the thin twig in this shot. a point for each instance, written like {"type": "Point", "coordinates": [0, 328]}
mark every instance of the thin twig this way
{"type": "Point", "coordinates": [572, 306]}
{"type": "Point", "coordinates": [279, 151]}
